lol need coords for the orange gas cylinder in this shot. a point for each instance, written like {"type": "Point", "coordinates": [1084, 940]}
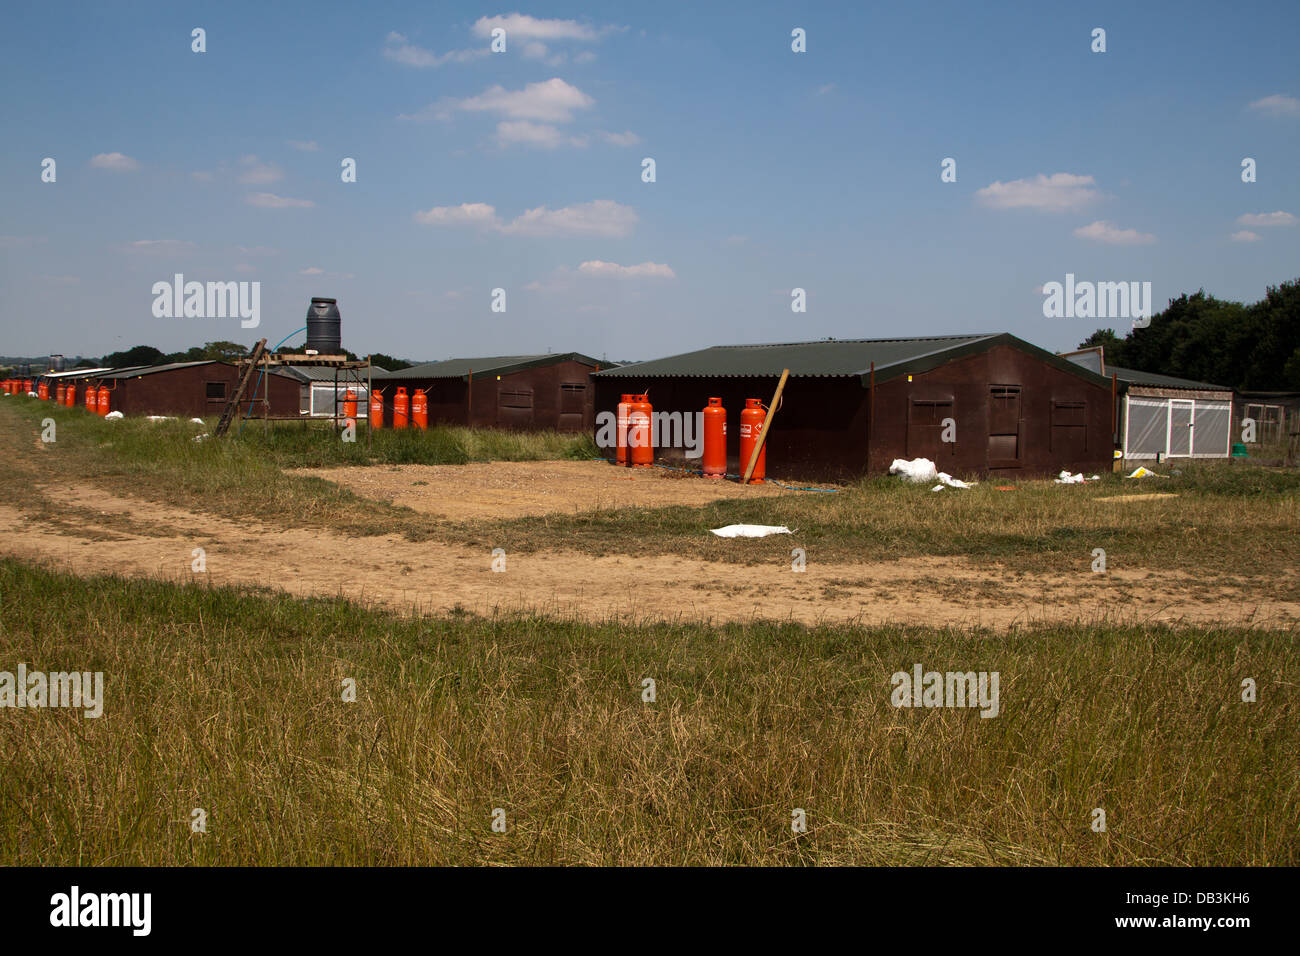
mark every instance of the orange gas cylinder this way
{"type": "Point", "coordinates": [350, 405]}
{"type": "Point", "coordinates": [377, 408]}
{"type": "Point", "coordinates": [91, 398]}
{"type": "Point", "coordinates": [624, 407]}
{"type": "Point", "coordinates": [715, 439]}
{"type": "Point", "coordinates": [59, 392]}
{"type": "Point", "coordinates": [640, 443]}
{"type": "Point", "coordinates": [751, 426]}
{"type": "Point", "coordinates": [420, 409]}
{"type": "Point", "coordinates": [401, 408]}
{"type": "Point", "coordinates": [70, 396]}
{"type": "Point", "coordinates": [42, 391]}
{"type": "Point", "coordinates": [27, 385]}
{"type": "Point", "coordinates": [101, 401]}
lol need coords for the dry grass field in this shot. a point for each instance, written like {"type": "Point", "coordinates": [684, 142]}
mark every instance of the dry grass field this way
{"type": "Point", "coordinates": [523, 690]}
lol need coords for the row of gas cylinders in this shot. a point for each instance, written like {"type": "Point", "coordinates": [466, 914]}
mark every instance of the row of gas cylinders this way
{"type": "Point", "coordinates": [408, 410]}
{"type": "Point", "coordinates": [636, 437]}
{"type": "Point", "coordinates": [96, 398]}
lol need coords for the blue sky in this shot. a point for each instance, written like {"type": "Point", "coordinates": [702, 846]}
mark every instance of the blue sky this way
{"type": "Point", "coordinates": [775, 169]}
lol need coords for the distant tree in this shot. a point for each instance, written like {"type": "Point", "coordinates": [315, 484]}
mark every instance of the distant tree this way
{"type": "Point", "coordinates": [1200, 337]}
{"type": "Point", "coordinates": [222, 351]}
{"type": "Point", "coordinates": [388, 362]}
{"type": "Point", "coordinates": [139, 355]}
{"type": "Point", "coordinates": [1111, 344]}
{"type": "Point", "coordinates": [86, 363]}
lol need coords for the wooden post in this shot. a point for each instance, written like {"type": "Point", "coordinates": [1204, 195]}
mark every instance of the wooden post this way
{"type": "Point", "coordinates": [871, 416]}
{"type": "Point", "coordinates": [767, 427]}
{"type": "Point", "coordinates": [1114, 397]}
{"type": "Point", "coordinates": [469, 401]}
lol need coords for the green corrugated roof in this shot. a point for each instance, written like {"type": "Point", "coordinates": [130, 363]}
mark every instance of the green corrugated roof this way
{"type": "Point", "coordinates": [836, 358]}
{"type": "Point", "coordinates": [1131, 376]}
{"type": "Point", "coordinates": [493, 364]}
{"type": "Point", "coordinates": [832, 357]}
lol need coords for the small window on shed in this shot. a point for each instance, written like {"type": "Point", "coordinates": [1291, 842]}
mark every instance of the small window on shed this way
{"type": "Point", "coordinates": [1070, 414]}
{"type": "Point", "coordinates": [573, 398]}
{"type": "Point", "coordinates": [216, 391]}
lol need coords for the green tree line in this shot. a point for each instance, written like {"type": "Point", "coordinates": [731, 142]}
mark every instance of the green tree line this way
{"type": "Point", "coordinates": [1255, 346]}
{"type": "Point", "coordinates": [209, 351]}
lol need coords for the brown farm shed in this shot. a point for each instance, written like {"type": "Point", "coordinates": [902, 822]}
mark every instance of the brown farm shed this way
{"type": "Point", "coordinates": [551, 391]}
{"type": "Point", "coordinates": [852, 406]}
{"type": "Point", "coordinates": [190, 389]}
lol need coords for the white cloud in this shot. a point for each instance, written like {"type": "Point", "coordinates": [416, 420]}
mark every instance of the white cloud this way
{"type": "Point", "coordinates": [258, 173]}
{"type": "Point", "coordinates": [1277, 105]}
{"type": "Point", "coordinates": [1266, 219]}
{"type": "Point", "coordinates": [646, 270]}
{"type": "Point", "coordinates": [520, 26]}
{"type": "Point", "coordinates": [823, 90]}
{"type": "Point", "coordinates": [540, 135]}
{"type": "Point", "coordinates": [18, 242]}
{"type": "Point", "coordinates": [586, 56]}
{"type": "Point", "coordinates": [159, 247]}
{"type": "Point", "coordinates": [272, 201]}
{"type": "Point", "coordinates": [466, 214]}
{"type": "Point", "coordinates": [551, 101]}
{"type": "Point", "coordinates": [311, 271]}
{"type": "Point", "coordinates": [1102, 231]}
{"type": "Point", "coordinates": [1244, 236]}
{"type": "Point", "coordinates": [307, 146]}
{"type": "Point", "coordinates": [628, 138]}
{"type": "Point", "coordinates": [601, 217]}
{"type": "Point", "coordinates": [116, 162]}
{"type": "Point", "coordinates": [397, 49]}
{"type": "Point", "coordinates": [1058, 192]}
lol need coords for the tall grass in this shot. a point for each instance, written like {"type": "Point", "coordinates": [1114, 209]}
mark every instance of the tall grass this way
{"type": "Point", "coordinates": [230, 701]}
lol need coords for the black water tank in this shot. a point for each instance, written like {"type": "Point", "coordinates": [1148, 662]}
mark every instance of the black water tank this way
{"type": "Point", "coordinates": [324, 327]}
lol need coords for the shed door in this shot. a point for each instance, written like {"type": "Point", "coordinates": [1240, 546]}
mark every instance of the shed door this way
{"type": "Point", "coordinates": [514, 407]}
{"type": "Point", "coordinates": [1180, 427]}
{"type": "Point", "coordinates": [925, 427]}
{"type": "Point", "coordinates": [1004, 426]}
{"type": "Point", "coordinates": [573, 406]}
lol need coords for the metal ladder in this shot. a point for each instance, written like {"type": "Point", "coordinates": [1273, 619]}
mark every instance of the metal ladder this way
{"type": "Point", "coordinates": [232, 406]}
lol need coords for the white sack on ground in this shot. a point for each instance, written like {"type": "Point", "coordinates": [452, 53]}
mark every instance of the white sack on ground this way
{"type": "Point", "coordinates": [750, 530]}
{"type": "Point", "coordinates": [918, 469]}
{"type": "Point", "coordinates": [923, 470]}
{"type": "Point", "coordinates": [1066, 478]}
{"type": "Point", "coordinates": [113, 416]}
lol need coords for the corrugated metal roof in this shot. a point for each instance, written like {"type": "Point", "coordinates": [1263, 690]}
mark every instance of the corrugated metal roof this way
{"type": "Point", "coordinates": [137, 370]}
{"type": "Point", "coordinates": [848, 358]}
{"type": "Point", "coordinates": [1133, 377]}
{"type": "Point", "coordinates": [324, 373]}
{"type": "Point", "coordinates": [831, 357]}
{"type": "Point", "coordinates": [73, 372]}
{"type": "Point", "coordinates": [495, 365]}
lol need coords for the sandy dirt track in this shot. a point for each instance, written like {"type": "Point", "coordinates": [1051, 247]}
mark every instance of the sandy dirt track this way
{"type": "Point", "coordinates": [429, 576]}
{"type": "Point", "coordinates": [515, 489]}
